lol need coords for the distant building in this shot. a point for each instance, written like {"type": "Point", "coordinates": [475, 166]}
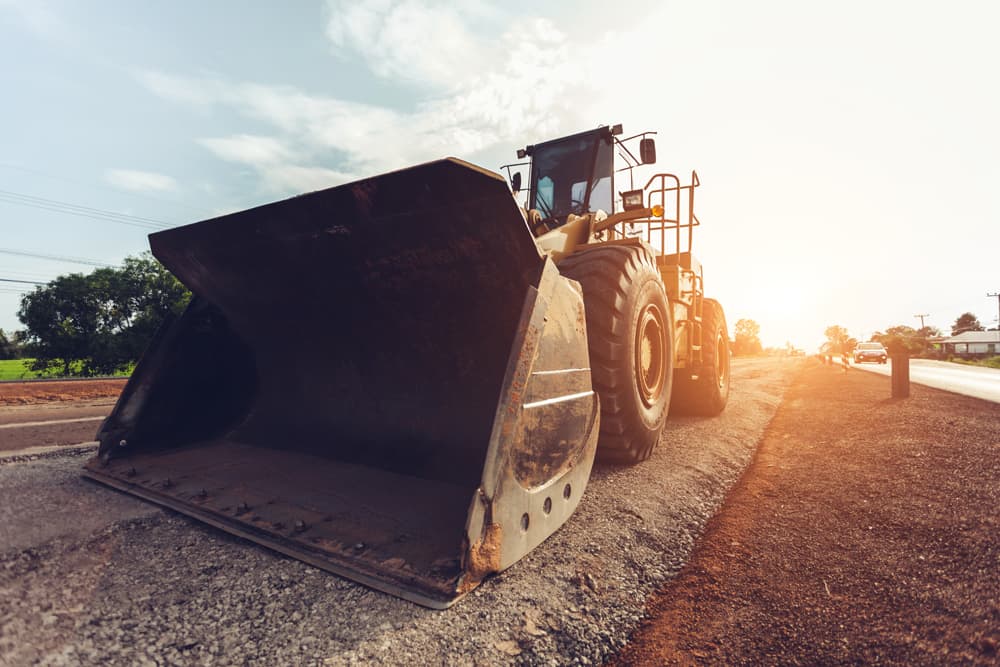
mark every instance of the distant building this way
{"type": "Point", "coordinates": [973, 344]}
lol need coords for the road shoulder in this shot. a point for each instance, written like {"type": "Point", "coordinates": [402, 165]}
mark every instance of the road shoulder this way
{"type": "Point", "coordinates": [865, 530]}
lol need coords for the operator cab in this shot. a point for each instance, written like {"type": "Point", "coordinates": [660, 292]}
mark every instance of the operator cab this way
{"type": "Point", "coordinates": [575, 175]}
{"type": "Point", "coordinates": [572, 175]}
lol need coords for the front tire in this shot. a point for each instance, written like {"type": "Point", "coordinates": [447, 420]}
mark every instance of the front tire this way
{"type": "Point", "coordinates": [630, 336]}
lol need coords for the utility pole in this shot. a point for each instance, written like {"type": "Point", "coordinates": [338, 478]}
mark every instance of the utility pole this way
{"type": "Point", "coordinates": [997, 295]}
{"type": "Point", "coordinates": [922, 319]}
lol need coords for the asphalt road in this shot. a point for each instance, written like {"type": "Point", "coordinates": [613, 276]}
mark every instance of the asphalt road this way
{"type": "Point", "coordinates": [25, 427]}
{"type": "Point", "coordinates": [89, 575]}
{"type": "Point", "coordinates": [975, 381]}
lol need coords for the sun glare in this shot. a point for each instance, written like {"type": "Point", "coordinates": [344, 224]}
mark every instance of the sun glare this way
{"type": "Point", "coordinates": [782, 309]}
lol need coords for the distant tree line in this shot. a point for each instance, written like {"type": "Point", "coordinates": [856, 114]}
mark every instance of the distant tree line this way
{"type": "Point", "coordinates": [901, 338]}
{"type": "Point", "coordinates": [746, 338]}
{"type": "Point", "coordinates": [838, 340]}
{"type": "Point", "coordinates": [99, 323]}
{"type": "Point", "coordinates": [10, 346]}
{"type": "Point", "coordinates": [966, 322]}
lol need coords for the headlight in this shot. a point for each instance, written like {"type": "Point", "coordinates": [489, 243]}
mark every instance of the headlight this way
{"type": "Point", "coordinates": [632, 200]}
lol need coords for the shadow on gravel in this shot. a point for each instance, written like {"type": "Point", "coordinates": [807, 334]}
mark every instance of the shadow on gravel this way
{"type": "Point", "coordinates": [167, 589]}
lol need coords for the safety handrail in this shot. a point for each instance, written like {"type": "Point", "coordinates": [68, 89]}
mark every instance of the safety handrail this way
{"type": "Point", "coordinates": [672, 218]}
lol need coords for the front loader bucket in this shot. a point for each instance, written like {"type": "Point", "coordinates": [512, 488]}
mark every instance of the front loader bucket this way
{"type": "Point", "coordinates": [384, 379]}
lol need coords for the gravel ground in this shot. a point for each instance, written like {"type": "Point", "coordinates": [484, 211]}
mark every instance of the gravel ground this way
{"type": "Point", "coordinates": [865, 531]}
{"type": "Point", "coordinates": [91, 576]}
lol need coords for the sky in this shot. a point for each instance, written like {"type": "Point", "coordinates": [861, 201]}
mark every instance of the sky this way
{"type": "Point", "coordinates": [849, 153]}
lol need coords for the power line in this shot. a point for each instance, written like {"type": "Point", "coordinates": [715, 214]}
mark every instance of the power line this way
{"type": "Point", "coordinates": [94, 186]}
{"type": "Point", "coordinates": [56, 258]}
{"type": "Point", "coordinates": [24, 282]}
{"type": "Point", "coordinates": [81, 211]}
{"type": "Point", "coordinates": [24, 275]}
{"type": "Point", "coordinates": [89, 209]}
{"type": "Point", "coordinates": [922, 316]}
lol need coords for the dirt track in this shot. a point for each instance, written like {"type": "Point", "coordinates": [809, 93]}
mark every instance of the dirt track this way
{"type": "Point", "coordinates": [73, 408]}
{"type": "Point", "coordinates": [865, 531]}
{"type": "Point", "coordinates": [36, 393]}
{"type": "Point", "coordinates": [35, 416]}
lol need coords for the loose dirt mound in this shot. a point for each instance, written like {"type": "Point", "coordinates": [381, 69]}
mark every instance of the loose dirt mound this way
{"type": "Point", "coordinates": [865, 531]}
{"type": "Point", "coordinates": [26, 393]}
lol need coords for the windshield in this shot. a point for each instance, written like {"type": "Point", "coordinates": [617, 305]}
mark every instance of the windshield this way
{"type": "Point", "coordinates": [870, 346]}
{"type": "Point", "coordinates": [572, 175]}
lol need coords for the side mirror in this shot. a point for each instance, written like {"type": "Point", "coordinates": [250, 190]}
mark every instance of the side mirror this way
{"type": "Point", "coordinates": [515, 182]}
{"type": "Point", "coordinates": [647, 151]}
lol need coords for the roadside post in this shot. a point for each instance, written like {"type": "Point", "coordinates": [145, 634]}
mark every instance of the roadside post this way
{"type": "Point", "coordinates": [900, 370]}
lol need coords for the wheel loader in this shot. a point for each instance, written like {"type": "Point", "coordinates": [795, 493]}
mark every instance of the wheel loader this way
{"type": "Point", "coordinates": [405, 380]}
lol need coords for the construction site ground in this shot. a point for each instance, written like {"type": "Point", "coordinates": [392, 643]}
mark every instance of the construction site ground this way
{"type": "Point", "coordinates": [864, 530]}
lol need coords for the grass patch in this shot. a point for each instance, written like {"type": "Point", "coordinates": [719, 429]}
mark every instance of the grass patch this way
{"type": "Point", "coordinates": [16, 369]}
{"type": "Point", "coordinates": [989, 362]}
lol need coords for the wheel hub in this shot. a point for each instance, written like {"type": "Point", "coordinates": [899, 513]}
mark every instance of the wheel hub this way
{"type": "Point", "coordinates": [651, 354]}
{"type": "Point", "coordinates": [721, 361]}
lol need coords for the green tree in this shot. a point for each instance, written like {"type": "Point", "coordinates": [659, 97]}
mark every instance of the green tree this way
{"type": "Point", "coordinates": [59, 318]}
{"type": "Point", "coordinates": [9, 349]}
{"type": "Point", "coordinates": [746, 340]}
{"type": "Point", "coordinates": [902, 337]}
{"type": "Point", "coordinates": [928, 332]}
{"type": "Point", "coordinates": [966, 322]}
{"type": "Point", "coordinates": [99, 323]}
{"type": "Point", "coordinates": [838, 340]}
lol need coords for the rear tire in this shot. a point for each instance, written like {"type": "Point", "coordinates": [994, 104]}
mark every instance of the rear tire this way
{"type": "Point", "coordinates": [708, 392]}
{"type": "Point", "coordinates": [630, 337]}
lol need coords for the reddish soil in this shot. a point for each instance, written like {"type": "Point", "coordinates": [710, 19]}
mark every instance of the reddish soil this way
{"type": "Point", "coordinates": [28, 393]}
{"type": "Point", "coordinates": [865, 531]}
{"type": "Point", "coordinates": [53, 413]}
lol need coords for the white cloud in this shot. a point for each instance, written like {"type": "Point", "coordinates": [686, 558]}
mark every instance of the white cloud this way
{"type": "Point", "coordinates": [189, 91]}
{"type": "Point", "coordinates": [422, 41]}
{"type": "Point", "coordinates": [490, 107]}
{"type": "Point", "coordinates": [248, 149]}
{"type": "Point", "coordinates": [478, 95]}
{"type": "Point", "coordinates": [276, 164]}
{"type": "Point", "coordinates": [140, 181]}
{"type": "Point", "coordinates": [40, 19]}
{"type": "Point", "coordinates": [294, 178]}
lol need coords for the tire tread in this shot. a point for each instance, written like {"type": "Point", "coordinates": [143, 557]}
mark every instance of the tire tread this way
{"type": "Point", "coordinates": [607, 273]}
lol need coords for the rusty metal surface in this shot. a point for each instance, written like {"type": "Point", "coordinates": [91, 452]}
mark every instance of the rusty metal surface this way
{"type": "Point", "coordinates": [526, 505]}
{"type": "Point", "coordinates": [385, 379]}
{"type": "Point", "coordinates": [399, 530]}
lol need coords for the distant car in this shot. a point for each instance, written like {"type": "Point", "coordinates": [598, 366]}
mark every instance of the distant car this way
{"type": "Point", "coordinates": [870, 352]}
